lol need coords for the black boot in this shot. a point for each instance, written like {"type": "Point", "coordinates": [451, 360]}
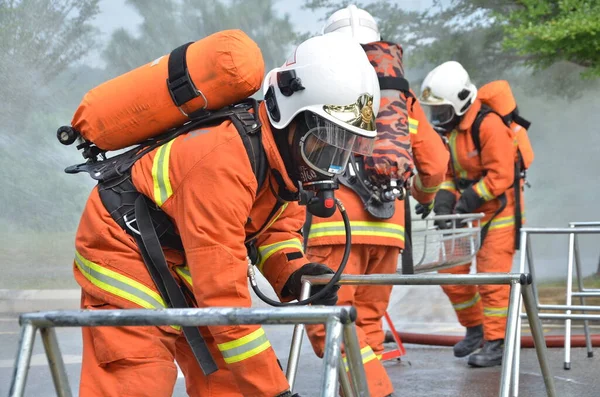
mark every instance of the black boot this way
{"type": "Point", "coordinates": [490, 355]}
{"type": "Point", "coordinates": [472, 342]}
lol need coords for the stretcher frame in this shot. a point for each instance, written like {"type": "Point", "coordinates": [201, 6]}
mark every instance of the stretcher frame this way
{"type": "Point", "coordinates": [339, 322]}
{"type": "Point", "coordinates": [520, 289]}
{"type": "Point", "coordinates": [574, 260]}
{"type": "Point", "coordinates": [453, 246]}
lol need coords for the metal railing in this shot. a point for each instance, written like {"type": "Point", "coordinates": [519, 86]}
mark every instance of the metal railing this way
{"type": "Point", "coordinates": [527, 264]}
{"type": "Point", "coordinates": [339, 321]}
{"type": "Point", "coordinates": [520, 288]}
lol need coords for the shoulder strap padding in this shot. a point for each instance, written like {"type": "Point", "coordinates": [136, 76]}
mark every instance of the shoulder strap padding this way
{"type": "Point", "coordinates": [475, 128]}
{"type": "Point", "coordinates": [249, 128]}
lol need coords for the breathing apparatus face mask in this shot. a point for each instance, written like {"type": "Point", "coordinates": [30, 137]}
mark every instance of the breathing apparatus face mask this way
{"type": "Point", "coordinates": [319, 152]}
{"type": "Point", "coordinates": [443, 118]}
{"type": "Point", "coordinates": [321, 149]}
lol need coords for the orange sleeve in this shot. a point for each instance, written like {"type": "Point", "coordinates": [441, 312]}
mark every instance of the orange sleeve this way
{"type": "Point", "coordinates": [280, 247]}
{"type": "Point", "coordinates": [498, 153]}
{"type": "Point", "coordinates": [430, 155]}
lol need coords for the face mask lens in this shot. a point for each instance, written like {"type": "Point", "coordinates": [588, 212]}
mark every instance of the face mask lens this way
{"type": "Point", "coordinates": [439, 114]}
{"type": "Point", "coordinates": [323, 156]}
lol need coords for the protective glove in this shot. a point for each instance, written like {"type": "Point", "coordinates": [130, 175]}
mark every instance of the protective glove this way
{"type": "Point", "coordinates": [424, 209]}
{"type": "Point", "coordinates": [444, 205]}
{"type": "Point", "coordinates": [468, 202]}
{"type": "Point", "coordinates": [294, 284]}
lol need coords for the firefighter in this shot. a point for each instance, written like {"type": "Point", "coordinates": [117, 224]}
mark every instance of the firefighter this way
{"type": "Point", "coordinates": [405, 140]}
{"type": "Point", "coordinates": [205, 184]}
{"type": "Point", "coordinates": [480, 179]}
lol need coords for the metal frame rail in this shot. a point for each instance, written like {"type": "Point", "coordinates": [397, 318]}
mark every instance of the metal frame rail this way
{"type": "Point", "coordinates": [526, 260]}
{"type": "Point", "coordinates": [520, 288]}
{"type": "Point", "coordinates": [339, 321]}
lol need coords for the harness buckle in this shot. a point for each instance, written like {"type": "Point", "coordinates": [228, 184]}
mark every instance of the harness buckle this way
{"type": "Point", "coordinates": [129, 223]}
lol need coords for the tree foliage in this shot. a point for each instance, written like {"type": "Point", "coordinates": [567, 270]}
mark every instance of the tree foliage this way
{"type": "Point", "coordinates": [170, 23]}
{"type": "Point", "coordinates": [533, 41]}
{"type": "Point", "coordinates": [547, 31]}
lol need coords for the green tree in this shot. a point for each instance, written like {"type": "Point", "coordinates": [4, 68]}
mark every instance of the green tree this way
{"type": "Point", "coordinates": [168, 24]}
{"type": "Point", "coordinates": [547, 31]}
{"type": "Point", "coordinates": [494, 39]}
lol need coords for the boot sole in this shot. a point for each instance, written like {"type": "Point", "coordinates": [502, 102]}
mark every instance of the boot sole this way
{"type": "Point", "coordinates": [476, 363]}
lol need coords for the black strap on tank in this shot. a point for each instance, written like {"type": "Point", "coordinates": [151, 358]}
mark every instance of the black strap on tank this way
{"type": "Point", "coordinates": [393, 83]}
{"type": "Point", "coordinates": [181, 87]}
{"type": "Point", "coordinates": [399, 84]}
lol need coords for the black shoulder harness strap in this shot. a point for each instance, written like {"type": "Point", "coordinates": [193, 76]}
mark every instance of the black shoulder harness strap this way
{"type": "Point", "coordinates": [475, 128]}
{"type": "Point", "coordinates": [151, 227]}
{"type": "Point", "coordinates": [475, 135]}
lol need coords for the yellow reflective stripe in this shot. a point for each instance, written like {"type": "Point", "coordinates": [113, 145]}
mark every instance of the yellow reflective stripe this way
{"type": "Point", "coordinates": [367, 354]}
{"type": "Point", "coordinates": [160, 174]}
{"type": "Point", "coordinates": [413, 125]}
{"type": "Point", "coordinates": [457, 167]}
{"type": "Point", "coordinates": [379, 356]}
{"type": "Point", "coordinates": [244, 347]}
{"type": "Point", "coordinates": [118, 284]}
{"type": "Point", "coordinates": [495, 311]}
{"type": "Point", "coordinates": [422, 188]}
{"type": "Point", "coordinates": [482, 191]}
{"type": "Point", "coordinates": [448, 185]}
{"type": "Point", "coordinates": [501, 223]}
{"type": "Point", "coordinates": [467, 304]}
{"type": "Point", "coordinates": [266, 251]}
{"type": "Point", "coordinates": [358, 228]}
{"type": "Point", "coordinates": [184, 272]}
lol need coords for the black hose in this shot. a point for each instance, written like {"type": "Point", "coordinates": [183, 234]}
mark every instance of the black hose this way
{"type": "Point", "coordinates": [336, 277]}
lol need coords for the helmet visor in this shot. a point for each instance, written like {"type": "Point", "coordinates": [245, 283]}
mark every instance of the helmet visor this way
{"type": "Point", "coordinates": [326, 146]}
{"type": "Point", "coordinates": [439, 114]}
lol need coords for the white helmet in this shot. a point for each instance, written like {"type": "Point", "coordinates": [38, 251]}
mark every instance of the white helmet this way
{"type": "Point", "coordinates": [331, 81]}
{"type": "Point", "coordinates": [354, 21]}
{"type": "Point", "coordinates": [447, 91]}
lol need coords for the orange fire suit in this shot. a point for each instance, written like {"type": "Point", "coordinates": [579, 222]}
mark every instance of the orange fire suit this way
{"type": "Point", "coordinates": [204, 182]}
{"type": "Point", "coordinates": [489, 177]}
{"type": "Point", "coordinates": [376, 244]}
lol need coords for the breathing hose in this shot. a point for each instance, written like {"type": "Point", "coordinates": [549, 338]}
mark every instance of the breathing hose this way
{"type": "Point", "coordinates": [336, 277]}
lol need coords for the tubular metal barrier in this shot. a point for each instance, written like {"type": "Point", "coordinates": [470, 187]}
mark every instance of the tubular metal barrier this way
{"type": "Point", "coordinates": [338, 319]}
{"type": "Point", "coordinates": [527, 263]}
{"type": "Point", "coordinates": [520, 288]}
{"type": "Point", "coordinates": [435, 249]}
